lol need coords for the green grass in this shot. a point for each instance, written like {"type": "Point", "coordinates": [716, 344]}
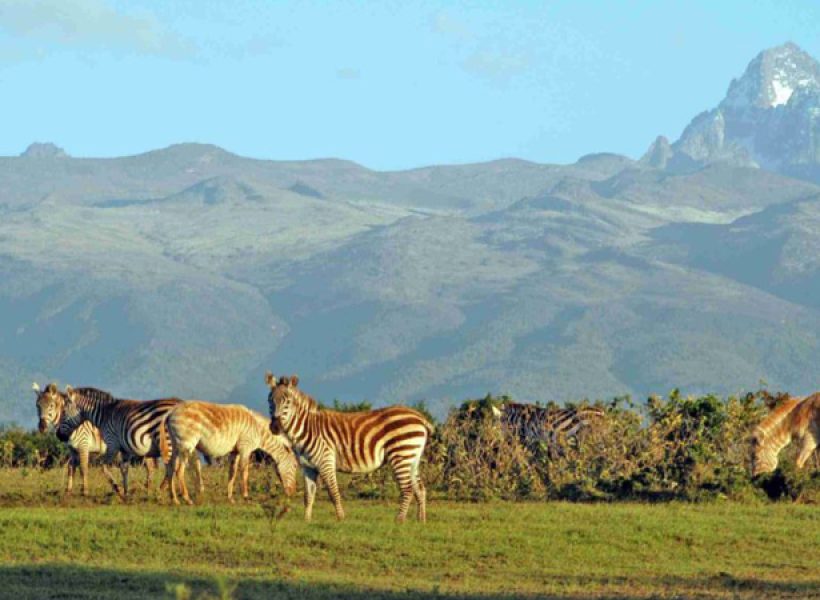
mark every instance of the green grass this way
{"type": "Point", "coordinates": [51, 547]}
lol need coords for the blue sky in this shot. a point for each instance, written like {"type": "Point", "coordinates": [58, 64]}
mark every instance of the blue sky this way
{"type": "Point", "coordinates": [388, 84]}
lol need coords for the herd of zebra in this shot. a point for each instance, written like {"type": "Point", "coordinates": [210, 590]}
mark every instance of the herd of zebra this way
{"type": "Point", "coordinates": [298, 432]}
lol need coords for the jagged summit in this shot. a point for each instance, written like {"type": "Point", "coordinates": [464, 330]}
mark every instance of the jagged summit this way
{"type": "Point", "coordinates": [773, 77]}
{"type": "Point", "coordinates": [770, 118]}
{"type": "Point", "coordinates": [659, 153]}
{"type": "Point", "coordinates": [43, 150]}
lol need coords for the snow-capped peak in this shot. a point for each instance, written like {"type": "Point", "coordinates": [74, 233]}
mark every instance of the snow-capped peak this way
{"type": "Point", "coordinates": [772, 77]}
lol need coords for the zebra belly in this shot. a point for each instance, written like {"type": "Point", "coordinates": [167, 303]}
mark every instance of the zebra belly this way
{"type": "Point", "coordinates": [216, 448]}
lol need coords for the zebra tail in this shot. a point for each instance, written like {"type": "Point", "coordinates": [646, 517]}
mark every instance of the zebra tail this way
{"type": "Point", "coordinates": [164, 442]}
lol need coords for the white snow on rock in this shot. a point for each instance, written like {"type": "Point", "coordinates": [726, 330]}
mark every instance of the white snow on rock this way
{"type": "Point", "coordinates": [782, 93]}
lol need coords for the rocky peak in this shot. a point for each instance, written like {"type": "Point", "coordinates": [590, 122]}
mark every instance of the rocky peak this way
{"type": "Point", "coordinates": [770, 118]}
{"type": "Point", "coordinates": [659, 153]}
{"type": "Point", "coordinates": [44, 150]}
{"type": "Point", "coordinates": [772, 77]}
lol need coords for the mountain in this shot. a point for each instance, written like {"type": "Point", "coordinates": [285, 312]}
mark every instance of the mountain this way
{"type": "Point", "coordinates": [770, 118]}
{"type": "Point", "coordinates": [190, 270]}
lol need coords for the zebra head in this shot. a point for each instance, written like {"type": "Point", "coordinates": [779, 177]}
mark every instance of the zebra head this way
{"type": "Point", "coordinates": [72, 417]}
{"type": "Point", "coordinates": [50, 403]}
{"type": "Point", "coordinates": [284, 401]}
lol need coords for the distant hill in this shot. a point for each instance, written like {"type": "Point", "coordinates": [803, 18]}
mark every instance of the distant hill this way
{"type": "Point", "coordinates": [190, 270]}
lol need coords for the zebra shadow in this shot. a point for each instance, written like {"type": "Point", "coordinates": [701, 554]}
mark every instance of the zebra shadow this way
{"type": "Point", "coordinates": [52, 581]}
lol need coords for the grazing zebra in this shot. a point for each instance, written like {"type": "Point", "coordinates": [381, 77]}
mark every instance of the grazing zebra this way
{"type": "Point", "coordinates": [793, 419]}
{"type": "Point", "coordinates": [534, 424]}
{"type": "Point", "coordinates": [327, 441]}
{"type": "Point", "coordinates": [82, 440]}
{"type": "Point", "coordinates": [216, 430]}
{"type": "Point", "coordinates": [129, 427]}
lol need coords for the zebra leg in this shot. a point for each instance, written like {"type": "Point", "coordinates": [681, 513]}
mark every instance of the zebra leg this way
{"type": "Point", "coordinates": [419, 492]}
{"type": "Point", "coordinates": [171, 475]}
{"type": "Point", "coordinates": [107, 460]}
{"type": "Point", "coordinates": [328, 471]}
{"type": "Point", "coordinates": [71, 466]}
{"type": "Point", "coordinates": [807, 448]}
{"type": "Point", "coordinates": [233, 468]}
{"type": "Point", "coordinates": [311, 476]}
{"type": "Point", "coordinates": [198, 469]}
{"type": "Point", "coordinates": [150, 464]}
{"type": "Point", "coordinates": [125, 463]}
{"type": "Point", "coordinates": [181, 474]}
{"type": "Point", "coordinates": [402, 471]}
{"type": "Point", "coordinates": [83, 456]}
{"type": "Point", "coordinates": [245, 464]}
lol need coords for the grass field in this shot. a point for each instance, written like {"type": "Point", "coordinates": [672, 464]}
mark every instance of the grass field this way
{"type": "Point", "coordinates": [51, 547]}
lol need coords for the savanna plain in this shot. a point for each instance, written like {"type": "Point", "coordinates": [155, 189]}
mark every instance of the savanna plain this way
{"type": "Point", "coordinates": [52, 546]}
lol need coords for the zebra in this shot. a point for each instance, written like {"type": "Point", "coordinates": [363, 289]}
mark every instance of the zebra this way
{"type": "Point", "coordinates": [326, 441]}
{"type": "Point", "coordinates": [83, 440]}
{"type": "Point", "coordinates": [534, 424]}
{"type": "Point", "coordinates": [128, 427]}
{"type": "Point", "coordinates": [216, 430]}
{"type": "Point", "coordinates": [793, 419]}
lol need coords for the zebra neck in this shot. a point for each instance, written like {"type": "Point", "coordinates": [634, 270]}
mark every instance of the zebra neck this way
{"type": "Point", "coordinates": [300, 424]}
{"type": "Point", "coordinates": [271, 447]}
{"type": "Point", "coordinates": [91, 409]}
{"type": "Point", "coordinates": [779, 434]}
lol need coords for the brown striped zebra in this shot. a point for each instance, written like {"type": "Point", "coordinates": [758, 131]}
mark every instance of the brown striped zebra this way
{"type": "Point", "coordinates": [327, 441]}
{"type": "Point", "coordinates": [217, 430]}
{"type": "Point", "coordinates": [794, 419]}
{"type": "Point", "coordinates": [534, 424]}
{"type": "Point", "coordinates": [129, 427]}
{"type": "Point", "coordinates": [82, 441]}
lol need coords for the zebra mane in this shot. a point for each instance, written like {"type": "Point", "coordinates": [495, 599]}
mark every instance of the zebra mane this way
{"type": "Point", "coordinates": [96, 394]}
{"type": "Point", "coordinates": [776, 418]}
{"type": "Point", "coordinates": [309, 401]}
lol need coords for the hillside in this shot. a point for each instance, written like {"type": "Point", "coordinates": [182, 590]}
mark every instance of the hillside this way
{"type": "Point", "coordinates": [190, 271]}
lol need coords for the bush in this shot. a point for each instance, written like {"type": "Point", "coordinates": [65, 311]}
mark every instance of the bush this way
{"type": "Point", "coordinates": [20, 448]}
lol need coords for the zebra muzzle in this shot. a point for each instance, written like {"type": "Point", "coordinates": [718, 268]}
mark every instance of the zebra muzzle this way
{"type": "Point", "coordinates": [42, 426]}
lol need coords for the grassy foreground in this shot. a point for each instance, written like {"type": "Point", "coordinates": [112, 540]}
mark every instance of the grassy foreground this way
{"type": "Point", "coordinates": [98, 548]}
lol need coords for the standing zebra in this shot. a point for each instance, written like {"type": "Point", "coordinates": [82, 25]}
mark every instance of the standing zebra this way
{"type": "Point", "coordinates": [129, 427]}
{"type": "Point", "coordinates": [327, 441]}
{"type": "Point", "coordinates": [82, 440]}
{"type": "Point", "coordinates": [216, 430]}
{"type": "Point", "coordinates": [534, 424]}
{"type": "Point", "coordinates": [794, 419]}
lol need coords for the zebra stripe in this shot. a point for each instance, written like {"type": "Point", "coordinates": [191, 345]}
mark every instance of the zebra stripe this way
{"type": "Point", "coordinates": [216, 430]}
{"type": "Point", "coordinates": [327, 441]}
{"type": "Point", "coordinates": [534, 424]}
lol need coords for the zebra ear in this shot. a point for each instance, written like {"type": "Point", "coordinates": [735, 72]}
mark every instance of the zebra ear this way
{"type": "Point", "coordinates": [51, 388]}
{"type": "Point", "coordinates": [294, 380]}
{"type": "Point", "coordinates": [36, 387]}
{"type": "Point", "coordinates": [270, 380]}
{"type": "Point", "coordinates": [497, 411]}
{"type": "Point", "coordinates": [69, 393]}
